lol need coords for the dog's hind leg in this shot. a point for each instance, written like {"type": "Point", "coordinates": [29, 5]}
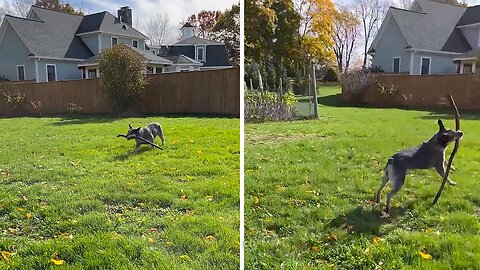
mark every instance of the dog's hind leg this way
{"type": "Point", "coordinates": [382, 185]}
{"type": "Point", "coordinates": [397, 179]}
{"type": "Point", "coordinates": [162, 138]}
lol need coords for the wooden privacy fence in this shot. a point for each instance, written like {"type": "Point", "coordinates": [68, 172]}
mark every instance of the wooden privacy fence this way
{"type": "Point", "coordinates": [425, 91]}
{"type": "Point", "coordinates": [216, 91]}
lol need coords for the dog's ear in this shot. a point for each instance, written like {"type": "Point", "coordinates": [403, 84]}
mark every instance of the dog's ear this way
{"type": "Point", "coordinates": [130, 126]}
{"type": "Point", "coordinates": [440, 125]}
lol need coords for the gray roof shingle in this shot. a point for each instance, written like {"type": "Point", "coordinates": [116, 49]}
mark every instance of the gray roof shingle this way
{"type": "Point", "coordinates": [471, 16]}
{"type": "Point", "coordinates": [197, 40]}
{"type": "Point", "coordinates": [53, 36]}
{"type": "Point", "coordinates": [106, 22]}
{"type": "Point", "coordinates": [430, 29]}
{"type": "Point", "coordinates": [149, 56]}
{"type": "Point", "coordinates": [181, 59]}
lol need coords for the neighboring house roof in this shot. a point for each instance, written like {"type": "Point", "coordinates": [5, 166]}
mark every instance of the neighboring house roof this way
{"type": "Point", "coordinates": [471, 16]}
{"type": "Point", "coordinates": [52, 36]}
{"type": "Point", "coordinates": [107, 23]}
{"type": "Point", "coordinates": [187, 24]}
{"type": "Point", "coordinates": [431, 29]}
{"type": "Point", "coordinates": [216, 54]}
{"type": "Point", "coordinates": [457, 42]}
{"type": "Point", "coordinates": [194, 40]}
{"type": "Point", "coordinates": [471, 54]}
{"type": "Point", "coordinates": [182, 59]}
{"type": "Point", "coordinates": [149, 56]}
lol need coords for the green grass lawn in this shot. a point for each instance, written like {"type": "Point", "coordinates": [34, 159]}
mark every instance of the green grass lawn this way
{"type": "Point", "coordinates": [309, 188]}
{"type": "Point", "coordinates": [72, 191]}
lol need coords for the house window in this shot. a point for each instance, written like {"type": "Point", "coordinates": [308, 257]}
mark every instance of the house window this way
{"type": "Point", "coordinates": [135, 43]}
{"type": "Point", "coordinates": [467, 69]}
{"type": "Point", "coordinates": [201, 54]}
{"type": "Point", "coordinates": [425, 67]}
{"type": "Point", "coordinates": [158, 70]}
{"type": "Point", "coordinates": [114, 41]}
{"type": "Point", "coordinates": [396, 65]}
{"type": "Point", "coordinates": [149, 70]}
{"type": "Point", "coordinates": [459, 67]}
{"type": "Point", "coordinates": [92, 73]}
{"type": "Point", "coordinates": [51, 73]}
{"type": "Point", "coordinates": [21, 73]}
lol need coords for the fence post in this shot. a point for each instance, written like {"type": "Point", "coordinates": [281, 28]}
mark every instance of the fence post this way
{"type": "Point", "coordinates": [315, 98]}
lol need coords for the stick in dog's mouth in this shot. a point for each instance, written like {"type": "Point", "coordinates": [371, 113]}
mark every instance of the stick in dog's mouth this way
{"type": "Point", "coordinates": [140, 138]}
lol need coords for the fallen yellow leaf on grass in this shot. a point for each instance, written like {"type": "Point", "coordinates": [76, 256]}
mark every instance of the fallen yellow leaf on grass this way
{"type": "Point", "coordinates": [184, 197]}
{"type": "Point", "coordinates": [20, 209]}
{"type": "Point", "coordinates": [12, 230]}
{"type": "Point", "coordinates": [376, 240]}
{"type": "Point", "coordinates": [28, 216]}
{"type": "Point", "coordinates": [332, 237]}
{"type": "Point", "coordinates": [57, 262]}
{"type": "Point", "coordinates": [184, 257]}
{"type": "Point", "coordinates": [150, 240]}
{"type": "Point", "coordinates": [314, 249]}
{"type": "Point", "coordinates": [425, 255]}
{"type": "Point", "coordinates": [5, 255]}
{"type": "Point", "coordinates": [199, 152]}
{"type": "Point", "coordinates": [210, 237]}
{"type": "Point", "coordinates": [256, 200]}
{"type": "Point", "coordinates": [209, 198]}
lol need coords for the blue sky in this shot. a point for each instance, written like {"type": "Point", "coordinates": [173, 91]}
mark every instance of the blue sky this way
{"type": "Point", "coordinates": [346, 2]}
{"type": "Point", "coordinates": [143, 10]}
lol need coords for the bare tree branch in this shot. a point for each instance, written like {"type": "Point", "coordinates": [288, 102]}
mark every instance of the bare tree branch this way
{"type": "Point", "coordinates": [157, 28]}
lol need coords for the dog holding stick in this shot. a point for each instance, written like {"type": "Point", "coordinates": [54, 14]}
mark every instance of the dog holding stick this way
{"type": "Point", "coordinates": [145, 135]}
{"type": "Point", "coordinates": [430, 154]}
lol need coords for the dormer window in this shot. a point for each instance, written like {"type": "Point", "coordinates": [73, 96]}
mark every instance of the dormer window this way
{"type": "Point", "coordinates": [200, 54]}
{"type": "Point", "coordinates": [135, 43]}
{"type": "Point", "coordinates": [114, 41]}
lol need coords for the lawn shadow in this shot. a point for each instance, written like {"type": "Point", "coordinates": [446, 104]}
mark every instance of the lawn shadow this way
{"type": "Point", "coordinates": [130, 153]}
{"type": "Point", "coordinates": [448, 114]}
{"type": "Point", "coordinates": [363, 221]}
{"type": "Point", "coordinates": [78, 120]}
{"type": "Point", "coordinates": [334, 101]}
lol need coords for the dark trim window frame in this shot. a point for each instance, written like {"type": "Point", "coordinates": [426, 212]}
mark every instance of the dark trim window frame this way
{"type": "Point", "coordinates": [201, 53]}
{"type": "Point", "coordinates": [135, 43]}
{"type": "Point", "coordinates": [396, 64]}
{"type": "Point", "coordinates": [21, 72]}
{"type": "Point", "coordinates": [51, 73]}
{"type": "Point", "coordinates": [425, 65]}
{"type": "Point", "coordinates": [114, 41]}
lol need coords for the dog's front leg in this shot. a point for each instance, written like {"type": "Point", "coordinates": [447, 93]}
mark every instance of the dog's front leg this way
{"type": "Point", "coordinates": [441, 171]}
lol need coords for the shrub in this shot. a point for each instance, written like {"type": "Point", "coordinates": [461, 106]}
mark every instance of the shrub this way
{"type": "Point", "coordinates": [14, 101]}
{"type": "Point", "coordinates": [122, 75]}
{"type": "Point", "coordinates": [36, 106]}
{"type": "Point", "coordinates": [387, 90]}
{"type": "Point", "coordinates": [73, 108]}
{"type": "Point", "coordinates": [331, 75]}
{"type": "Point", "coordinates": [354, 84]}
{"type": "Point", "coordinates": [268, 106]}
{"type": "Point", "coordinates": [3, 78]}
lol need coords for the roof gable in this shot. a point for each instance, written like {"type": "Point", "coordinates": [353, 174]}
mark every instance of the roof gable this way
{"type": "Point", "coordinates": [471, 16]}
{"type": "Point", "coordinates": [194, 40]}
{"type": "Point", "coordinates": [429, 29]}
{"type": "Point", "coordinates": [53, 36]}
{"type": "Point", "coordinates": [107, 23]}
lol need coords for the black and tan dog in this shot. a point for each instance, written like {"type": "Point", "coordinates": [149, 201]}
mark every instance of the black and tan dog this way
{"type": "Point", "coordinates": [430, 154]}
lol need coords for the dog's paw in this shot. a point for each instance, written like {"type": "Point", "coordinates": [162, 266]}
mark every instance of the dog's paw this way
{"type": "Point", "coordinates": [384, 214]}
{"type": "Point", "coordinates": [452, 183]}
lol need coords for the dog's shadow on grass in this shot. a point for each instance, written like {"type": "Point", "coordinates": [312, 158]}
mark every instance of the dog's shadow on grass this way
{"type": "Point", "coordinates": [131, 153]}
{"type": "Point", "coordinates": [364, 221]}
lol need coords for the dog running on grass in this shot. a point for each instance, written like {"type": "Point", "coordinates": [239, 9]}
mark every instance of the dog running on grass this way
{"type": "Point", "coordinates": [430, 154]}
{"type": "Point", "coordinates": [148, 133]}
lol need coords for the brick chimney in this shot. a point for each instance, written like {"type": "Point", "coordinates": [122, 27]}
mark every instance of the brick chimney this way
{"type": "Point", "coordinates": [125, 15]}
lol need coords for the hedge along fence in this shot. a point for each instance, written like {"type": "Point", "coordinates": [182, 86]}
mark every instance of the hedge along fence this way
{"type": "Point", "coordinates": [216, 91]}
{"type": "Point", "coordinates": [425, 91]}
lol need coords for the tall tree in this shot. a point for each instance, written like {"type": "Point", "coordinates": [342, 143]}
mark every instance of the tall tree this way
{"type": "Point", "coordinates": [22, 7]}
{"type": "Point", "coordinates": [227, 30]}
{"type": "Point", "coordinates": [316, 28]}
{"type": "Point", "coordinates": [204, 21]}
{"type": "Point", "coordinates": [370, 13]}
{"type": "Point", "coordinates": [345, 33]}
{"type": "Point", "coordinates": [157, 28]}
{"type": "Point", "coordinates": [56, 5]}
{"type": "Point", "coordinates": [259, 27]}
